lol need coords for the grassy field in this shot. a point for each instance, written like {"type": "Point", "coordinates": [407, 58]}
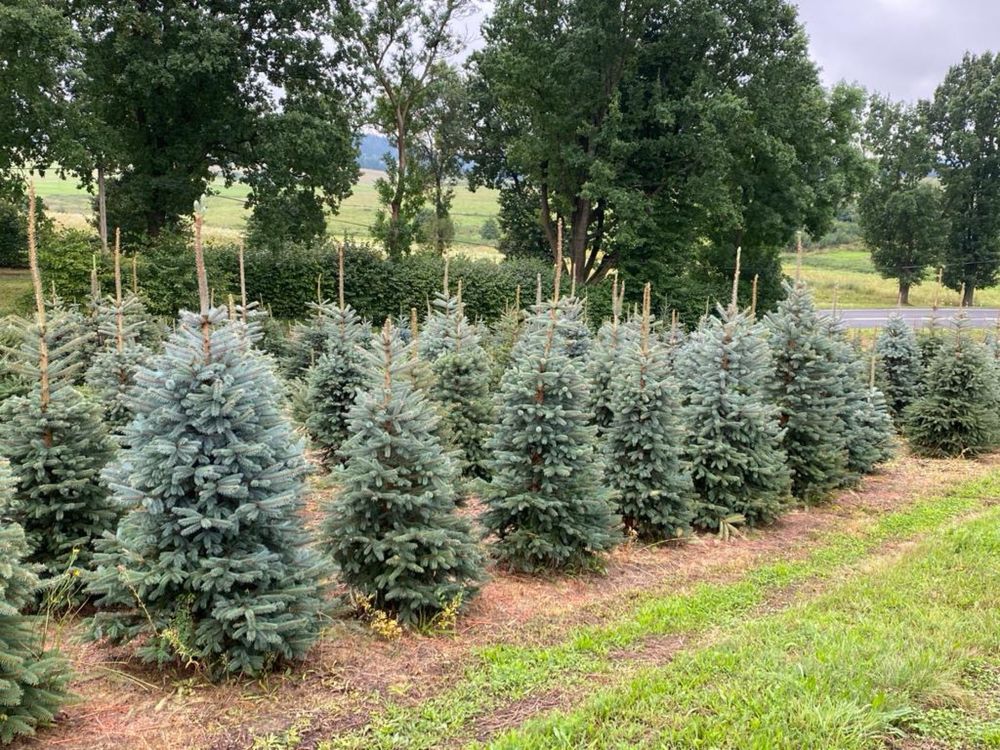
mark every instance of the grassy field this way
{"type": "Point", "coordinates": [226, 217]}
{"type": "Point", "coordinates": [870, 622]}
{"type": "Point", "coordinates": [847, 275]}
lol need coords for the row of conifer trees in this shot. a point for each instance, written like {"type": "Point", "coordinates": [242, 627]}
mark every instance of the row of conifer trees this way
{"type": "Point", "coordinates": [174, 491]}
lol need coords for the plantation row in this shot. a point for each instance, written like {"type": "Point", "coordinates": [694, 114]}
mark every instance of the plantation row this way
{"type": "Point", "coordinates": [160, 478]}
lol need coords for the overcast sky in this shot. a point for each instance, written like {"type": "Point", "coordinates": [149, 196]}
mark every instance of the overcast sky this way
{"type": "Point", "coordinates": [902, 48]}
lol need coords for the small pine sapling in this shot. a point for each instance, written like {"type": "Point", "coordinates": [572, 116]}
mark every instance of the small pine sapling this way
{"type": "Point", "coordinates": [393, 530]}
{"type": "Point", "coordinates": [461, 387]}
{"type": "Point", "coordinates": [868, 429]}
{"type": "Point", "coordinates": [112, 373]}
{"type": "Point", "coordinates": [644, 441]}
{"type": "Point", "coordinates": [547, 504]}
{"type": "Point", "coordinates": [956, 412]}
{"type": "Point", "coordinates": [900, 367]}
{"type": "Point", "coordinates": [612, 338]}
{"type": "Point", "coordinates": [57, 447]}
{"type": "Point", "coordinates": [734, 439]}
{"type": "Point", "coordinates": [807, 389]}
{"type": "Point", "coordinates": [211, 566]}
{"type": "Point", "coordinates": [33, 680]}
{"type": "Point", "coordinates": [338, 377]}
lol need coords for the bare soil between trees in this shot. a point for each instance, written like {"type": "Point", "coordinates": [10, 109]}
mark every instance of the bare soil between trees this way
{"type": "Point", "coordinates": [352, 671]}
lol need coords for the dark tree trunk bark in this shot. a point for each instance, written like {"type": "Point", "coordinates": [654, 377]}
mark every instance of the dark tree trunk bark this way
{"type": "Point", "coordinates": [970, 290]}
{"type": "Point", "coordinates": [904, 293]}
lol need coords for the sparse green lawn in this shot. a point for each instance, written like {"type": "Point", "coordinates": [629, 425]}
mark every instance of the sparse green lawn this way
{"type": "Point", "coordinates": [226, 217]}
{"type": "Point", "coordinates": [847, 274]}
{"type": "Point", "coordinates": [14, 284]}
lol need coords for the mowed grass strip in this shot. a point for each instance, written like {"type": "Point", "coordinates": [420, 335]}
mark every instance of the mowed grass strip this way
{"type": "Point", "coordinates": [502, 674]}
{"type": "Point", "coordinates": [897, 652]}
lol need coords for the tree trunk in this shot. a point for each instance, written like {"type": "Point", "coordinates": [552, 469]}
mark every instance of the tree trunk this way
{"type": "Point", "coordinates": [578, 239]}
{"type": "Point", "coordinates": [970, 289]}
{"type": "Point", "coordinates": [102, 210]}
{"type": "Point", "coordinates": [904, 293]}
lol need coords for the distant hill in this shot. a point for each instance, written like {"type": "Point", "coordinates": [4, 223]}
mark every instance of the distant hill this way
{"type": "Point", "coordinates": [372, 149]}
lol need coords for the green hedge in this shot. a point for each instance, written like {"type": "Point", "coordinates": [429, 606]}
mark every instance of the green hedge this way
{"type": "Point", "coordinates": [285, 279]}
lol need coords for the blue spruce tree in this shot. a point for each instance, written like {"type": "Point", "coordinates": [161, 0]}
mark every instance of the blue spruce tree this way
{"type": "Point", "coordinates": [210, 564]}
{"type": "Point", "coordinates": [645, 438]}
{"type": "Point", "coordinates": [393, 531]}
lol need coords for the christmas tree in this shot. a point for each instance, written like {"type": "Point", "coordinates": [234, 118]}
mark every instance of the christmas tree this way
{"type": "Point", "coordinates": [899, 364]}
{"type": "Point", "coordinates": [868, 430]}
{"type": "Point", "coordinates": [32, 680]}
{"type": "Point", "coordinates": [436, 337]}
{"type": "Point", "coordinates": [211, 565]}
{"type": "Point", "coordinates": [547, 504]}
{"type": "Point", "coordinates": [734, 437]}
{"type": "Point", "coordinates": [57, 447]}
{"type": "Point", "coordinates": [112, 373]}
{"type": "Point", "coordinates": [605, 364]}
{"type": "Point", "coordinates": [644, 441]}
{"type": "Point", "coordinates": [393, 530]}
{"type": "Point", "coordinates": [956, 413]}
{"type": "Point", "coordinates": [807, 388]}
{"type": "Point", "coordinates": [503, 337]}
{"type": "Point", "coordinates": [337, 378]}
{"type": "Point", "coordinates": [462, 388]}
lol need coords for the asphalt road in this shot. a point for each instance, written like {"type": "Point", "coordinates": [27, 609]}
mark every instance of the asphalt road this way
{"type": "Point", "coordinates": [979, 317]}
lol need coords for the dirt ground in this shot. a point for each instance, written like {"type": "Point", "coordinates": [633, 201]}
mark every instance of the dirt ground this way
{"type": "Point", "coordinates": [123, 704]}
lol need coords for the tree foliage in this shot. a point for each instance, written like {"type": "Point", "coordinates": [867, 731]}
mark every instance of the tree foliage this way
{"type": "Point", "coordinates": [393, 530]}
{"type": "Point", "coordinates": [546, 503]}
{"type": "Point", "coordinates": [964, 122]}
{"type": "Point", "coordinates": [900, 368]}
{"type": "Point", "coordinates": [659, 125]}
{"type": "Point", "coordinates": [902, 214]}
{"type": "Point", "coordinates": [33, 680]}
{"type": "Point", "coordinates": [956, 412]}
{"type": "Point", "coordinates": [210, 565]}
{"type": "Point", "coordinates": [734, 444]}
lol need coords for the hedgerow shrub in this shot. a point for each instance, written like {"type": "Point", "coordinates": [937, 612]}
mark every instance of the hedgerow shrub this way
{"type": "Point", "coordinates": [285, 279]}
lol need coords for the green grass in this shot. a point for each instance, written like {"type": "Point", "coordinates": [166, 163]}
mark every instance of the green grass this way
{"type": "Point", "coordinates": [905, 648]}
{"type": "Point", "coordinates": [226, 217]}
{"type": "Point", "coordinates": [847, 275]}
{"type": "Point", "coordinates": [504, 673]}
{"type": "Point", "coordinates": [14, 284]}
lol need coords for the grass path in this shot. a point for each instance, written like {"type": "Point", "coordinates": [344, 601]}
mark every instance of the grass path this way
{"type": "Point", "coordinates": [908, 651]}
{"type": "Point", "coordinates": [594, 655]}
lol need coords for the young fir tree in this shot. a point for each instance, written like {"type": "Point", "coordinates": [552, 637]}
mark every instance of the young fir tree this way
{"type": "Point", "coordinates": [734, 437]}
{"type": "Point", "coordinates": [868, 429]}
{"type": "Point", "coordinates": [57, 447]}
{"type": "Point", "coordinates": [899, 364]}
{"type": "Point", "coordinates": [547, 504]}
{"type": "Point", "coordinates": [112, 373]}
{"type": "Point", "coordinates": [338, 377]}
{"type": "Point", "coordinates": [605, 364]}
{"type": "Point", "coordinates": [644, 441]}
{"type": "Point", "coordinates": [503, 337]}
{"type": "Point", "coordinates": [393, 530]}
{"type": "Point", "coordinates": [462, 389]}
{"type": "Point", "coordinates": [956, 413]}
{"type": "Point", "coordinates": [32, 680]}
{"type": "Point", "coordinates": [436, 339]}
{"type": "Point", "coordinates": [807, 388]}
{"type": "Point", "coordinates": [211, 564]}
